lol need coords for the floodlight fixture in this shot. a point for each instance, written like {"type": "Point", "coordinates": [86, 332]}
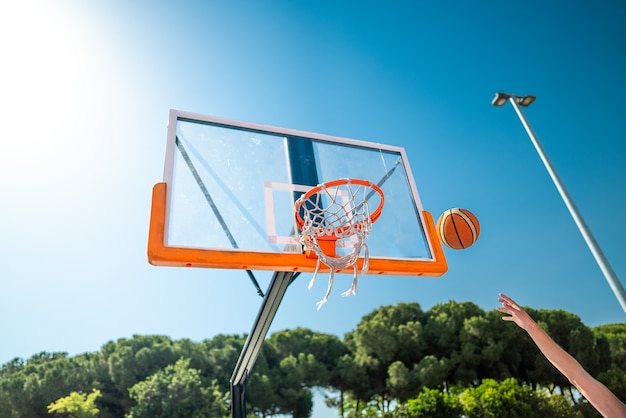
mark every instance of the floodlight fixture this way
{"type": "Point", "coordinates": [501, 98]}
{"type": "Point", "coordinates": [525, 100]}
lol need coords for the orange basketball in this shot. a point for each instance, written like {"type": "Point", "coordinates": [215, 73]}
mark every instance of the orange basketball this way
{"type": "Point", "coordinates": [458, 228]}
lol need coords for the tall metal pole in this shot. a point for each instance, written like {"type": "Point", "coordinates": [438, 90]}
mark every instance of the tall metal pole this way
{"type": "Point", "coordinates": [606, 268]}
{"type": "Point", "coordinates": [250, 351]}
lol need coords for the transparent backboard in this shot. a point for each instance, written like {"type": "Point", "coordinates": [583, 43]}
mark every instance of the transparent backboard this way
{"type": "Point", "coordinates": [229, 187]}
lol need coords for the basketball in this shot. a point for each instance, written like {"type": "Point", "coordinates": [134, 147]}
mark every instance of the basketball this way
{"type": "Point", "coordinates": [458, 228]}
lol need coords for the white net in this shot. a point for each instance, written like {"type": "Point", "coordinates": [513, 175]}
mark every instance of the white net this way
{"type": "Point", "coordinates": [337, 211]}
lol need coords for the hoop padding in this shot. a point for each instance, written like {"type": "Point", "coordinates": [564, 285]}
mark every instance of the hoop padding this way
{"type": "Point", "coordinates": [333, 211]}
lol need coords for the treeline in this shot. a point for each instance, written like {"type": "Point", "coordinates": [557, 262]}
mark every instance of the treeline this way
{"type": "Point", "coordinates": [450, 361]}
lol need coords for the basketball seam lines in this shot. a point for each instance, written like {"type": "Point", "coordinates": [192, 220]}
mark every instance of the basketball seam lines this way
{"type": "Point", "coordinates": [470, 224]}
{"type": "Point", "coordinates": [456, 230]}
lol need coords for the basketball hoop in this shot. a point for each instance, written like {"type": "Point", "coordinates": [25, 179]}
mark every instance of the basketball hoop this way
{"type": "Point", "coordinates": [338, 211]}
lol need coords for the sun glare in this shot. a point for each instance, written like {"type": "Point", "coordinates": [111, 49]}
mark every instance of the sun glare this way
{"type": "Point", "coordinates": [50, 86]}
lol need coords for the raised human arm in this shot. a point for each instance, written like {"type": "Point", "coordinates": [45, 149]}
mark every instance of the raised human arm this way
{"type": "Point", "coordinates": [594, 391]}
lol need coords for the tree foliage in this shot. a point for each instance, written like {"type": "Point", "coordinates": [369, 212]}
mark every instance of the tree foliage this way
{"type": "Point", "coordinates": [176, 392]}
{"type": "Point", "coordinates": [77, 405]}
{"type": "Point", "coordinates": [431, 403]}
{"type": "Point", "coordinates": [400, 361]}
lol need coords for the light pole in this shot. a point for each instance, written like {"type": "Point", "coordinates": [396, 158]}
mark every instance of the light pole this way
{"type": "Point", "coordinates": [609, 274]}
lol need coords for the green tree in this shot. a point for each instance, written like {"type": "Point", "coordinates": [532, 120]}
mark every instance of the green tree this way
{"type": "Point", "coordinates": [298, 360]}
{"type": "Point", "coordinates": [432, 403]}
{"type": "Point", "coordinates": [220, 357]}
{"type": "Point", "coordinates": [11, 388]}
{"type": "Point", "coordinates": [176, 392]}
{"type": "Point", "coordinates": [135, 359]}
{"type": "Point", "coordinates": [443, 329]}
{"type": "Point", "coordinates": [401, 382]}
{"type": "Point", "coordinates": [77, 405]}
{"type": "Point", "coordinates": [351, 380]}
{"type": "Point", "coordinates": [614, 337]}
{"type": "Point", "coordinates": [262, 397]}
{"type": "Point", "coordinates": [327, 349]}
{"type": "Point", "coordinates": [482, 349]}
{"type": "Point", "coordinates": [386, 335]}
{"type": "Point", "coordinates": [29, 387]}
{"type": "Point", "coordinates": [293, 381]}
{"type": "Point", "coordinates": [432, 372]}
{"type": "Point", "coordinates": [492, 400]}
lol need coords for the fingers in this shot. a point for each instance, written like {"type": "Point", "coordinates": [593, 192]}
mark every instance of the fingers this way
{"type": "Point", "coordinates": [507, 301]}
{"type": "Point", "coordinates": [509, 304]}
{"type": "Point", "coordinates": [504, 298]}
{"type": "Point", "coordinates": [509, 307]}
{"type": "Point", "coordinates": [505, 310]}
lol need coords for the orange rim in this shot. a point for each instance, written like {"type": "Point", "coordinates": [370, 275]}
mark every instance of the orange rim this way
{"type": "Point", "coordinates": [373, 216]}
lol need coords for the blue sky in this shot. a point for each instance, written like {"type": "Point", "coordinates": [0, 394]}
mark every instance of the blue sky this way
{"type": "Point", "coordinates": [87, 87]}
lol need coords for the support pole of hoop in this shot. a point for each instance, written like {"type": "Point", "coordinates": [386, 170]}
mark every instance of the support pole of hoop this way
{"type": "Point", "coordinates": [250, 351]}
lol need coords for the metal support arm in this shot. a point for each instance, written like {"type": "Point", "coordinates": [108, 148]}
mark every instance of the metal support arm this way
{"type": "Point", "coordinates": [249, 353]}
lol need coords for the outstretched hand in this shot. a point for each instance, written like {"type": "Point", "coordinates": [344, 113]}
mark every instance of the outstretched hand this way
{"type": "Point", "coordinates": [517, 314]}
{"type": "Point", "coordinates": [596, 393]}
